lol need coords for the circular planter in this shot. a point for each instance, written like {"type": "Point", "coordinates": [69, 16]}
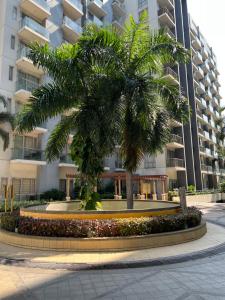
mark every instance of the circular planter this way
{"type": "Point", "coordinates": [109, 244]}
{"type": "Point", "coordinates": [113, 209]}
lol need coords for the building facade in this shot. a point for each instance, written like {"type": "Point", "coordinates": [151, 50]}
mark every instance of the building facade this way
{"type": "Point", "coordinates": [190, 158]}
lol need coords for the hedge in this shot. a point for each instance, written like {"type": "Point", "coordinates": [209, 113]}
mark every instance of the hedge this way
{"type": "Point", "coordinates": [102, 228]}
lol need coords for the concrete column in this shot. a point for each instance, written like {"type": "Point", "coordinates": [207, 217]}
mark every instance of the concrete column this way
{"type": "Point", "coordinates": [115, 188]}
{"type": "Point", "coordinates": [154, 191]}
{"type": "Point", "coordinates": [67, 189]}
{"type": "Point", "coordinates": [119, 187]}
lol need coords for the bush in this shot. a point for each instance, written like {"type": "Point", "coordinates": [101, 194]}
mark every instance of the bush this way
{"type": "Point", "coordinates": [222, 187]}
{"type": "Point", "coordinates": [53, 194]}
{"type": "Point", "coordinates": [9, 221]}
{"type": "Point", "coordinates": [172, 194]}
{"type": "Point", "coordinates": [105, 228]}
{"type": "Point", "coordinates": [18, 204]}
{"type": "Point", "coordinates": [191, 188]}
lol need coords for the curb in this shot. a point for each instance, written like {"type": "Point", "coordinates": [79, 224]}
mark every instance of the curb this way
{"type": "Point", "coordinates": [118, 265]}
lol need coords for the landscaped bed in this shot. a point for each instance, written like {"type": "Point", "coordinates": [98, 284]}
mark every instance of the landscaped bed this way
{"type": "Point", "coordinates": [101, 228]}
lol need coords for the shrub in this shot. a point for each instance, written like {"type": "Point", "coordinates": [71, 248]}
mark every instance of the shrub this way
{"type": "Point", "coordinates": [53, 194]}
{"type": "Point", "coordinates": [9, 221]}
{"type": "Point", "coordinates": [18, 204]}
{"type": "Point", "coordinates": [222, 187]}
{"type": "Point", "coordinates": [108, 228]}
{"type": "Point", "coordinates": [191, 188]}
{"type": "Point", "coordinates": [172, 194]}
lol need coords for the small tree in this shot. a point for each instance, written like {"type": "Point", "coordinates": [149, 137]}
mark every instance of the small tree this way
{"type": "Point", "coordinates": [5, 118]}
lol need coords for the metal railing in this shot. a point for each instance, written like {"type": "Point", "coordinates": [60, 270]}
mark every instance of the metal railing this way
{"type": "Point", "coordinates": [72, 24]}
{"type": "Point", "coordinates": [98, 2]}
{"type": "Point", "coordinates": [28, 154]}
{"type": "Point", "coordinates": [66, 159]}
{"type": "Point", "coordinates": [23, 52]}
{"type": "Point", "coordinates": [169, 71]}
{"type": "Point", "coordinates": [76, 3]}
{"type": "Point", "coordinates": [165, 10]}
{"type": "Point", "coordinates": [27, 85]}
{"type": "Point", "coordinates": [176, 139]}
{"type": "Point", "coordinates": [170, 33]}
{"type": "Point", "coordinates": [26, 21]}
{"type": "Point", "coordinates": [175, 162]}
{"type": "Point", "coordinates": [206, 168]}
{"type": "Point", "coordinates": [43, 4]}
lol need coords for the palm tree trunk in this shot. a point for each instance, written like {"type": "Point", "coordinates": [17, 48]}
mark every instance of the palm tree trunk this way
{"type": "Point", "coordinates": [129, 187]}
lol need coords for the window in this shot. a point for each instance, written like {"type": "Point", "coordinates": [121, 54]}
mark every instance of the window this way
{"type": "Point", "coordinates": [149, 162]}
{"type": "Point", "coordinates": [142, 3]}
{"type": "Point", "coordinates": [14, 13]}
{"type": "Point", "coordinates": [24, 186]}
{"type": "Point", "coordinates": [10, 73]}
{"type": "Point", "coordinates": [9, 105]}
{"type": "Point", "coordinates": [4, 182]}
{"type": "Point", "coordinates": [13, 41]}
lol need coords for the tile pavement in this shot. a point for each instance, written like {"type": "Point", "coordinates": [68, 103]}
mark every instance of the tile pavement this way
{"type": "Point", "coordinates": [198, 279]}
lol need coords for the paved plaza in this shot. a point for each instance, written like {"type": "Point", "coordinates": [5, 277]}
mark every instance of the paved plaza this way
{"type": "Point", "coordinates": [202, 277]}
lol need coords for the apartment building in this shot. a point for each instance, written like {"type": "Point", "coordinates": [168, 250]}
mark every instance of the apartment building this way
{"type": "Point", "coordinates": [190, 157]}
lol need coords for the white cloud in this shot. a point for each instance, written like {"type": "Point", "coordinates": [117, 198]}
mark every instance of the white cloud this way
{"type": "Point", "coordinates": [209, 16]}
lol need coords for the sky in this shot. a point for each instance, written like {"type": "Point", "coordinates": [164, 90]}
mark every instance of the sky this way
{"type": "Point", "coordinates": [210, 17]}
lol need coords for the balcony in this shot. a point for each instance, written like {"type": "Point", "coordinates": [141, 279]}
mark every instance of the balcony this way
{"type": "Point", "coordinates": [206, 168]}
{"type": "Point", "coordinates": [207, 81]}
{"type": "Point", "coordinates": [215, 102]}
{"type": "Point", "coordinates": [199, 87]}
{"type": "Point", "coordinates": [73, 8]}
{"type": "Point", "coordinates": [197, 59]}
{"type": "Point", "coordinates": [166, 18]}
{"type": "Point", "coordinates": [118, 8]}
{"type": "Point", "coordinates": [28, 156]}
{"type": "Point", "coordinates": [118, 24]}
{"type": "Point", "coordinates": [205, 54]}
{"type": "Point", "coordinates": [212, 75]}
{"type": "Point", "coordinates": [166, 3]}
{"type": "Point", "coordinates": [205, 67]}
{"type": "Point", "coordinates": [96, 8]}
{"type": "Point", "coordinates": [170, 33]}
{"type": "Point", "coordinates": [196, 43]}
{"type": "Point", "coordinates": [208, 95]}
{"type": "Point", "coordinates": [38, 9]}
{"type": "Point", "coordinates": [176, 141]}
{"type": "Point", "coordinates": [31, 31]}
{"type": "Point", "coordinates": [175, 163]}
{"type": "Point", "coordinates": [171, 75]}
{"type": "Point", "coordinates": [24, 88]}
{"type": "Point", "coordinates": [95, 20]}
{"type": "Point", "coordinates": [213, 89]}
{"type": "Point", "coordinates": [205, 118]}
{"type": "Point", "coordinates": [206, 135]}
{"type": "Point", "coordinates": [66, 161]}
{"type": "Point", "coordinates": [25, 64]}
{"type": "Point", "coordinates": [199, 74]}
{"type": "Point", "coordinates": [72, 31]}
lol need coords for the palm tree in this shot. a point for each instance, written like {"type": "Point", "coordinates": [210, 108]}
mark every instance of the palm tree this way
{"type": "Point", "coordinates": [5, 118]}
{"type": "Point", "coordinates": [114, 90]}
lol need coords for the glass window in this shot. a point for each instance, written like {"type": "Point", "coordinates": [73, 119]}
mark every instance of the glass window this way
{"type": "Point", "coordinates": [14, 13]}
{"type": "Point", "coordinates": [13, 42]}
{"type": "Point", "coordinates": [4, 182]}
{"type": "Point", "coordinates": [9, 105]}
{"type": "Point", "coordinates": [10, 73]}
{"type": "Point", "coordinates": [142, 3]}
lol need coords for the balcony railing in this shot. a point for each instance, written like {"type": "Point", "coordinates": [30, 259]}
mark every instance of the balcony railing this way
{"type": "Point", "coordinates": [28, 154]}
{"type": "Point", "coordinates": [171, 72]}
{"type": "Point", "coordinates": [28, 22]}
{"type": "Point", "coordinates": [43, 4]}
{"type": "Point", "coordinates": [27, 85]}
{"type": "Point", "coordinates": [175, 163]}
{"type": "Point", "coordinates": [165, 10]}
{"type": "Point", "coordinates": [76, 3]}
{"type": "Point", "coordinates": [176, 139]}
{"type": "Point", "coordinates": [66, 159]}
{"type": "Point", "coordinates": [73, 25]}
{"type": "Point", "coordinates": [23, 52]}
{"type": "Point", "coordinates": [206, 168]}
{"type": "Point", "coordinates": [170, 32]}
{"type": "Point", "coordinates": [95, 20]}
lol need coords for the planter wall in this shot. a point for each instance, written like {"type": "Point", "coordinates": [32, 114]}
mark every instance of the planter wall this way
{"type": "Point", "coordinates": [103, 244]}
